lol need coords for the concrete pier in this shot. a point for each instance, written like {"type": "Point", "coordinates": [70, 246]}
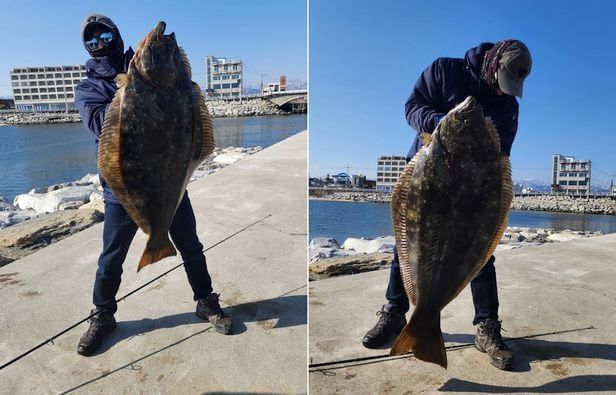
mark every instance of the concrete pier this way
{"type": "Point", "coordinates": [565, 287]}
{"type": "Point", "coordinates": [160, 346]}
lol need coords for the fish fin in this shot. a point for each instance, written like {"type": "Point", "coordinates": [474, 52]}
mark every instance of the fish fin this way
{"type": "Point", "coordinates": [493, 133]}
{"type": "Point", "coordinates": [426, 138]}
{"type": "Point", "coordinates": [206, 123]}
{"type": "Point", "coordinates": [399, 201]}
{"type": "Point", "coordinates": [425, 341]}
{"type": "Point", "coordinates": [155, 252]}
{"type": "Point", "coordinates": [109, 159]}
{"type": "Point", "coordinates": [121, 80]}
{"type": "Point", "coordinates": [186, 62]}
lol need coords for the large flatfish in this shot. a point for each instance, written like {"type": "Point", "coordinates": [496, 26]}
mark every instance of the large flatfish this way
{"type": "Point", "coordinates": [156, 132]}
{"type": "Point", "coordinates": [449, 210]}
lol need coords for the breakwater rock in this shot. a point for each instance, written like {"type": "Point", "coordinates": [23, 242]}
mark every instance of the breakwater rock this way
{"type": "Point", "coordinates": [562, 204]}
{"type": "Point", "coordinates": [356, 255]}
{"type": "Point", "coordinates": [565, 204]}
{"type": "Point", "coordinates": [244, 108]}
{"type": "Point", "coordinates": [37, 118]}
{"type": "Point", "coordinates": [218, 109]}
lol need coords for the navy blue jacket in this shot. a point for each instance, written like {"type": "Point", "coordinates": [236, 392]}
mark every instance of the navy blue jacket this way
{"type": "Point", "coordinates": [93, 96]}
{"type": "Point", "coordinates": [446, 83]}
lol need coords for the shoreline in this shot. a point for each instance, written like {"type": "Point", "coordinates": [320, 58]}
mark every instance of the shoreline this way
{"type": "Point", "coordinates": [46, 215]}
{"type": "Point", "coordinates": [329, 258]}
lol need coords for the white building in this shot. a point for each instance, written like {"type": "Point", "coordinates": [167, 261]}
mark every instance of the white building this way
{"type": "Point", "coordinates": [388, 169]}
{"type": "Point", "coordinates": [46, 89]}
{"type": "Point", "coordinates": [223, 78]}
{"type": "Point", "coordinates": [570, 176]}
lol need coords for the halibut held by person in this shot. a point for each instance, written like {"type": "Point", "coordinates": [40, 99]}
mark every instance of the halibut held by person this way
{"type": "Point", "coordinates": [156, 132]}
{"type": "Point", "coordinates": [449, 211]}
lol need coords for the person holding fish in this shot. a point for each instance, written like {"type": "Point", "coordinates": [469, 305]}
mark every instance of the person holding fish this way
{"type": "Point", "coordinates": [492, 73]}
{"type": "Point", "coordinates": [93, 99]}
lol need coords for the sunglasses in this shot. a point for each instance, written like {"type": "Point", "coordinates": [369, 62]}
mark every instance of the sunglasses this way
{"type": "Point", "coordinates": [93, 43]}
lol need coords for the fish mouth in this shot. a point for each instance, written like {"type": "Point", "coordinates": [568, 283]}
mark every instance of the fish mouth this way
{"type": "Point", "coordinates": [468, 105]}
{"type": "Point", "coordinates": [159, 32]}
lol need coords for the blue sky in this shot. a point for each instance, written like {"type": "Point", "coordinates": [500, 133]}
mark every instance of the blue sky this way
{"type": "Point", "coordinates": [269, 35]}
{"type": "Point", "coordinates": [366, 57]}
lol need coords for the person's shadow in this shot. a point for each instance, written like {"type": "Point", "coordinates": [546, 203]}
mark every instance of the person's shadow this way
{"type": "Point", "coordinates": [286, 310]}
{"type": "Point", "coordinates": [531, 350]}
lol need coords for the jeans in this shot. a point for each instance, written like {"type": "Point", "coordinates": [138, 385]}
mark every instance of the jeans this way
{"type": "Point", "coordinates": [483, 288]}
{"type": "Point", "coordinates": [118, 232]}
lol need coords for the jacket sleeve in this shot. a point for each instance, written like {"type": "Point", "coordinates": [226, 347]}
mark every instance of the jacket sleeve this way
{"type": "Point", "coordinates": [92, 107]}
{"type": "Point", "coordinates": [509, 129]}
{"type": "Point", "coordinates": [421, 108]}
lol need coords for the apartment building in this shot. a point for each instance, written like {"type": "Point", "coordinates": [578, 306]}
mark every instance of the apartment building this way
{"type": "Point", "coordinates": [570, 176]}
{"type": "Point", "coordinates": [46, 89]}
{"type": "Point", "coordinates": [223, 77]}
{"type": "Point", "coordinates": [388, 169]}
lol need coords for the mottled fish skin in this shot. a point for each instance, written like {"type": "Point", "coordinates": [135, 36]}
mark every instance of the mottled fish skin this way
{"type": "Point", "coordinates": [156, 133]}
{"type": "Point", "coordinates": [449, 212]}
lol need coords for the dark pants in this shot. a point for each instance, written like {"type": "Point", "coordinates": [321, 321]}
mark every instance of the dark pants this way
{"type": "Point", "coordinates": [118, 232]}
{"type": "Point", "coordinates": [483, 288]}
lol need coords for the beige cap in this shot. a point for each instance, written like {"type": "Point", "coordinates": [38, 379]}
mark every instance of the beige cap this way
{"type": "Point", "coordinates": [514, 66]}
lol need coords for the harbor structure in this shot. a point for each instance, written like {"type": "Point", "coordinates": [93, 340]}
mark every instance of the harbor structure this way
{"type": "Point", "coordinates": [46, 89]}
{"type": "Point", "coordinates": [388, 169]}
{"type": "Point", "coordinates": [570, 176]}
{"type": "Point", "coordinates": [223, 77]}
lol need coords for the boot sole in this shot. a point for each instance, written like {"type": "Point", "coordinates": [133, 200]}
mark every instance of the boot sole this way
{"type": "Point", "coordinates": [499, 365]}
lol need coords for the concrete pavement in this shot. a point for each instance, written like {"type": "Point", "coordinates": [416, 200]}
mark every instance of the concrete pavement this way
{"type": "Point", "coordinates": [560, 287]}
{"type": "Point", "coordinates": [160, 346]}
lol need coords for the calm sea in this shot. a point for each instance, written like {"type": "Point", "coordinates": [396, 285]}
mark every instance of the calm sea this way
{"type": "Point", "coordinates": [33, 156]}
{"type": "Point", "coordinates": [351, 219]}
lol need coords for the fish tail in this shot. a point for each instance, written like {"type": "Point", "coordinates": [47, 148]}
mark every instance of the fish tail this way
{"type": "Point", "coordinates": [155, 250]}
{"type": "Point", "coordinates": [424, 338]}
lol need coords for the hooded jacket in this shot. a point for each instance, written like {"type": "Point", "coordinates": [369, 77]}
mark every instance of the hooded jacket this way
{"type": "Point", "coordinates": [93, 96]}
{"type": "Point", "coordinates": [446, 83]}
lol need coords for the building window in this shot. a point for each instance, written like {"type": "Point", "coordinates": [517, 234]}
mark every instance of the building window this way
{"type": "Point", "coordinates": [57, 75]}
{"type": "Point", "coordinates": [235, 85]}
{"type": "Point", "coordinates": [69, 95]}
{"type": "Point", "coordinates": [60, 89]}
{"type": "Point", "coordinates": [34, 90]}
{"type": "Point", "coordinates": [17, 97]}
{"type": "Point", "coordinates": [23, 77]}
{"type": "Point", "coordinates": [48, 75]}
{"type": "Point", "coordinates": [60, 95]}
{"type": "Point", "coordinates": [35, 97]}
{"type": "Point", "coordinates": [44, 96]}
{"type": "Point", "coordinates": [66, 75]}
{"type": "Point", "coordinates": [69, 88]}
{"type": "Point", "coordinates": [26, 97]}
{"type": "Point", "coordinates": [67, 82]}
{"type": "Point", "coordinates": [14, 77]}
{"type": "Point", "coordinates": [53, 96]}
{"type": "Point", "coordinates": [43, 89]}
{"type": "Point", "coordinates": [562, 183]}
{"type": "Point", "coordinates": [50, 83]}
{"type": "Point", "coordinates": [16, 90]}
{"type": "Point", "coordinates": [31, 77]}
{"type": "Point", "coordinates": [52, 89]}
{"type": "Point", "coordinates": [225, 86]}
{"type": "Point", "coordinates": [216, 78]}
{"type": "Point", "coordinates": [225, 77]}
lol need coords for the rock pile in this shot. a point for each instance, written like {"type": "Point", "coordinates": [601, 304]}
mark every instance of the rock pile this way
{"type": "Point", "coordinates": [37, 118]}
{"type": "Point", "coordinates": [244, 108]}
{"type": "Point", "coordinates": [328, 258]}
{"type": "Point", "coordinates": [565, 204]}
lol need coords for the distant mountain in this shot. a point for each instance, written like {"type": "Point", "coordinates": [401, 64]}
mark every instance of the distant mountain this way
{"type": "Point", "coordinates": [542, 186]}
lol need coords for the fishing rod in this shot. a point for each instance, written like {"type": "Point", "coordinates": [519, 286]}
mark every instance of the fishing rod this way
{"type": "Point", "coordinates": [387, 357]}
{"type": "Point", "coordinates": [51, 339]}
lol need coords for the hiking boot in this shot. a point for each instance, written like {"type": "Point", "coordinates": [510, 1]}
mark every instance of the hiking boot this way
{"type": "Point", "coordinates": [100, 325]}
{"type": "Point", "coordinates": [390, 324]}
{"type": "Point", "coordinates": [208, 309]}
{"type": "Point", "coordinates": [489, 340]}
